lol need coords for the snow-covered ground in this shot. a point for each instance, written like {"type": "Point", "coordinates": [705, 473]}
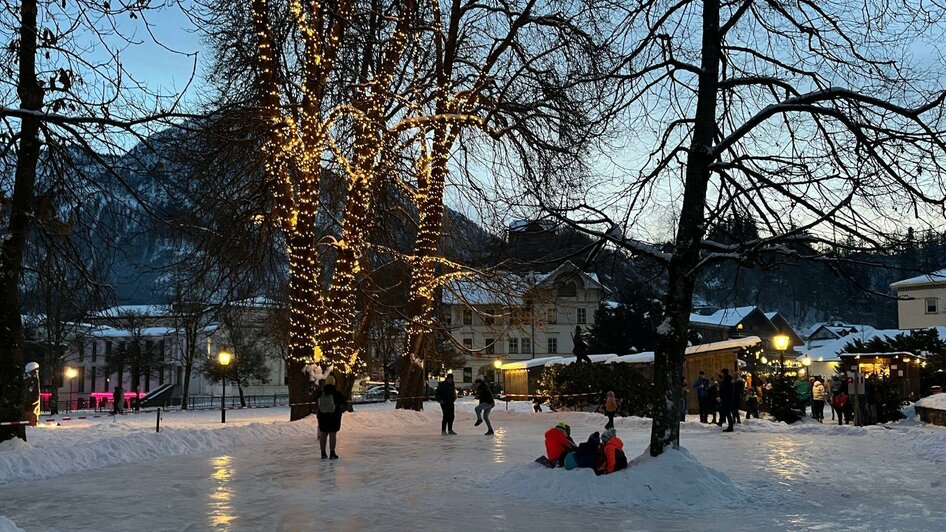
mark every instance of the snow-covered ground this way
{"type": "Point", "coordinates": [259, 472]}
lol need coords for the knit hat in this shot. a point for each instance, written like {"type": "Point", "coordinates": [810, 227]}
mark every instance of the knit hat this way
{"type": "Point", "coordinates": [565, 427]}
{"type": "Point", "coordinates": [330, 380]}
{"type": "Point", "coordinates": [607, 435]}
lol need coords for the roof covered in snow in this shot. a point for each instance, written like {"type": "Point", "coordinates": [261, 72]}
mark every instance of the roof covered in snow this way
{"type": "Point", "coordinates": [126, 310]}
{"type": "Point", "coordinates": [509, 289]}
{"type": "Point", "coordinates": [829, 351]}
{"type": "Point", "coordinates": [727, 317]}
{"type": "Point", "coordinates": [933, 277]}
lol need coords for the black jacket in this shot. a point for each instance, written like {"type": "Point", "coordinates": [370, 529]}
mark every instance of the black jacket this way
{"type": "Point", "coordinates": [446, 392]}
{"type": "Point", "coordinates": [484, 394]}
{"type": "Point", "coordinates": [331, 421]}
{"type": "Point", "coordinates": [726, 390]}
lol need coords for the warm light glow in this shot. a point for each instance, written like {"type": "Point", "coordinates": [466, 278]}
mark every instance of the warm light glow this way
{"type": "Point", "coordinates": [224, 358]}
{"type": "Point", "coordinates": [71, 373]}
{"type": "Point", "coordinates": [806, 361]}
{"type": "Point", "coordinates": [765, 360]}
{"type": "Point", "coordinates": [781, 342]}
{"type": "Point", "coordinates": [498, 363]}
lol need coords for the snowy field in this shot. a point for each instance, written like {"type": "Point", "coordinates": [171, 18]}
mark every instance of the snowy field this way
{"type": "Point", "coordinates": [396, 472]}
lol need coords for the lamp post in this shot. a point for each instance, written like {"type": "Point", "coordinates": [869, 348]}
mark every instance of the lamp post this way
{"type": "Point", "coordinates": [781, 342]}
{"type": "Point", "coordinates": [807, 363]}
{"type": "Point", "coordinates": [223, 358]}
{"type": "Point", "coordinates": [71, 374]}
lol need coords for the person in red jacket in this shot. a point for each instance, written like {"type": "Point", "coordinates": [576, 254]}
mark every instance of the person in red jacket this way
{"type": "Point", "coordinates": [612, 453]}
{"type": "Point", "coordinates": [558, 443]}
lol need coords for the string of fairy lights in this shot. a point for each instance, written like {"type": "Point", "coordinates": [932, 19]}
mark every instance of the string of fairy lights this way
{"type": "Point", "coordinates": [323, 316]}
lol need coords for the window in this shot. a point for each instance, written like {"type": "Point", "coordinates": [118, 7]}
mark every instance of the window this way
{"type": "Point", "coordinates": [95, 351]}
{"type": "Point", "coordinates": [468, 343]}
{"type": "Point", "coordinates": [92, 378]}
{"type": "Point", "coordinates": [488, 318]}
{"type": "Point", "coordinates": [568, 289]}
{"type": "Point", "coordinates": [932, 305]}
{"type": "Point", "coordinates": [551, 316]}
{"type": "Point", "coordinates": [513, 346]}
{"type": "Point", "coordinates": [80, 380]}
{"type": "Point", "coordinates": [448, 317]}
{"type": "Point", "coordinates": [467, 374]}
{"type": "Point", "coordinates": [467, 317]}
{"type": "Point", "coordinates": [81, 347]}
{"type": "Point", "coordinates": [553, 345]}
{"type": "Point", "coordinates": [527, 346]}
{"type": "Point", "coordinates": [490, 346]}
{"type": "Point", "coordinates": [108, 349]}
{"type": "Point", "coordinates": [582, 315]}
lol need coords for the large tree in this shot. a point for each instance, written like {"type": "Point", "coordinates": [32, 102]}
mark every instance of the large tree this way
{"type": "Point", "coordinates": [808, 115]}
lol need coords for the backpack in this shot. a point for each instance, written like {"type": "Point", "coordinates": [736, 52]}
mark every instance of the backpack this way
{"type": "Point", "coordinates": [620, 460]}
{"type": "Point", "coordinates": [611, 405]}
{"type": "Point", "coordinates": [327, 403]}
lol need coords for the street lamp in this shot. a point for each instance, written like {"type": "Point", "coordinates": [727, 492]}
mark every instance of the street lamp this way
{"type": "Point", "coordinates": [71, 374]}
{"type": "Point", "coordinates": [781, 342]}
{"type": "Point", "coordinates": [807, 363]}
{"type": "Point", "coordinates": [224, 358]}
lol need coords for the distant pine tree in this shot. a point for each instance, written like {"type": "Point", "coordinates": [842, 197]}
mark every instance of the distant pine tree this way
{"type": "Point", "coordinates": [781, 401]}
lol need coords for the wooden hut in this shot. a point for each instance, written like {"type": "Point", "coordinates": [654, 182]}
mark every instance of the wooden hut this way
{"type": "Point", "coordinates": [712, 357]}
{"type": "Point", "coordinates": [900, 368]}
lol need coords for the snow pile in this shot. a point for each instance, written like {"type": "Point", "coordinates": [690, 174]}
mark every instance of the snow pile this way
{"type": "Point", "coordinates": [937, 402]}
{"type": "Point", "coordinates": [674, 480]}
{"type": "Point", "coordinates": [7, 525]}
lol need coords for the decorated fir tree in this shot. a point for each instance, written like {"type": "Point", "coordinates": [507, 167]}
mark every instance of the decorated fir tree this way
{"type": "Point", "coordinates": [782, 403]}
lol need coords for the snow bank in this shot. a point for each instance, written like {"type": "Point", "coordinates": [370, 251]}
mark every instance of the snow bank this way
{"type": "Point", "coordinates": [61, 450]}
{"type": "Point", "coordinates": [7, 525]}
{"type": "Point", "coordinates": [673, 480]}
{"type": "Point", "coordinates": [937, 401]}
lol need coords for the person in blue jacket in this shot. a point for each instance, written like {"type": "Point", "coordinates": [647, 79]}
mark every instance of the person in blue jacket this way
{"type": "Point", "coordinates": [701, 385]}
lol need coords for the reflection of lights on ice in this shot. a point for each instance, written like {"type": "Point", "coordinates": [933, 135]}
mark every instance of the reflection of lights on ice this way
{"type": "Point", "coordinates": [220, 498]}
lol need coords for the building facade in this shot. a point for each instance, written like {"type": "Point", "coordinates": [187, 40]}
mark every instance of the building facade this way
{"type": "Point", "coordinates": [921, 301]}
{"type": "Point", "coordinates": [518, 317]}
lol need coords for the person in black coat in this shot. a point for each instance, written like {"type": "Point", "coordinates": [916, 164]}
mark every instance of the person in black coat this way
{"type": "Point", "coordinates": [726, 399]}
{"type": "Point", "coordinates": [331, 404]}
{"type": "Point", "coordinates": [487, 403]}
{"type": "Point", "coordinates": [446, 395]}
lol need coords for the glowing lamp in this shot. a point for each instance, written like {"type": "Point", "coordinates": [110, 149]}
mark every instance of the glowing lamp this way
{"type": "Point", "coordinates": [71, 373]}
{"type": "Point", "coordinates": [806, 361]}
{"type": "Point", "coordinates": [765, 360]}
{"type": "Point", "coordinates": [781, 342]}
{"type": "Point", "coordinates": [224, 358]}
{"type": "Point", "coordinates": [498, 363]}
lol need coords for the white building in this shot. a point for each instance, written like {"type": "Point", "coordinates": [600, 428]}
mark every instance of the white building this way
{"type": "Point", "coordinates": [157, 330]}
{"type": "Point", "coordinates": [519, 316]}
{"type": "Point", "coordinates": [921, 301]}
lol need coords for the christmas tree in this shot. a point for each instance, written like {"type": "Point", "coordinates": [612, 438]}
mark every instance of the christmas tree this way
{"type": "Point", "coordinates": [782, 403]}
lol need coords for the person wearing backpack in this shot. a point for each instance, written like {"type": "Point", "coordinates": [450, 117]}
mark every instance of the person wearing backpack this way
{"type": "Point", "coordinates": [329, 410]}
{"type": "Point", "coordinates": [612, 453]}
{"type": "Point", "coordinates": [611, 405]}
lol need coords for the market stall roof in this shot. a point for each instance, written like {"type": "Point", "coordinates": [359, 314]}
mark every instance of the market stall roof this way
{"type": "Point", "coordinates": [526, 364]}
{"type": "Point", "coordinates": [569, 360]}
{"type": "Point", "coordinates": [735, 343]}
{"type": "Point", "coordinates": [881, 355]}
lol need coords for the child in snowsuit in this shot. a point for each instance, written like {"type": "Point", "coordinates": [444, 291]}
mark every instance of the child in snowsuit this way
{"type": "Point", "coordinates": [610, 409]}
{"type": "Point", "coordinates": [612, 454]}
{"type": "Point", "coordinates": [558, 443]}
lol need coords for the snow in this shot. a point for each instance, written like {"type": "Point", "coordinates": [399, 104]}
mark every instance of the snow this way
{"type": "Point", "coordinates": [7, 525]}
{"type": "Point", "coordinates": [259, 472]}
{"type": "Point", "coordinates": [937, 401]}
{"type": "Point", "coordinates": [646, 357]}
{"type": "Point", "coordinates": [727, 317]}
{"type": "Point", "coordinates": [531, 363]}
{"type": "Point", "coordinates": [933, 277]}
{"type": "Point", "coordinates": [675, 479]}
{"type": "Point", "coordinates": [748, 341]}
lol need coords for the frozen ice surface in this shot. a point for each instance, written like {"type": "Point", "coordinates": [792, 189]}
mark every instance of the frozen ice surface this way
{"type": "Point", "coordinates": [397, 472]}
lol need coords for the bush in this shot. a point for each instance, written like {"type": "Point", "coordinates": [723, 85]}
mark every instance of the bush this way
{"type": "Point", "coordinates": [627, 383]}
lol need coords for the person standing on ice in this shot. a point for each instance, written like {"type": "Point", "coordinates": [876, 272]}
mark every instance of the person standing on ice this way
{"type": "Point", "coordinates": [712, 400]}
{"type": "Point", "coordinates": [739, 389]}
{"type": "Point", "coordinates": [701, 385]}
{"type": "Point", "coordinates": [611, 404]}
{"type": "Point", "coordinates": [331, 404]}
{"type": "Point", "coordinates": [817, 400]}
{"type": "Point", "coordinates": [487, 403]}
{"type": "Point", "coordinates": [446, 395]}
{"type": "Point", "coordinates": [726, 399]}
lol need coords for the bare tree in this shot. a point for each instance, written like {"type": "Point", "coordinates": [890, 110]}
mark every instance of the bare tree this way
{"type": "Point", "coordinates": [806, 114]}
{"type": "Point", "coordinates": [55, 99]}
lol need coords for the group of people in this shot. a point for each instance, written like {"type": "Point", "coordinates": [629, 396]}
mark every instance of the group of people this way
{"type": "Point", "coordinates": [722, 395]}
{"type": "Point", "coordinates": [603, 452]}
{"type": "Point", "coordinates": [816, 392]}
{"type": "Point", "coordinates": [446, 395]}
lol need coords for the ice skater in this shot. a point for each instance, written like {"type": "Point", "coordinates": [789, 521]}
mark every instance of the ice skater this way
{"type": "Point", "coordinates": [611, 404]}
{"type": "Point", "coordinates": [487, 403]}
{"type": "Point", "coordinates": [447, 395]}
{"type": "Point", "coordinates": [331, 404]}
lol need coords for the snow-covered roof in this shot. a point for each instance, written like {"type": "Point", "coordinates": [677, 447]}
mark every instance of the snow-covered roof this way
{"type": "Point", "coordinates": [526, 364]}
{"type": "Point", "coordinates": [829, 351]}
{"type": "Point", "coordinates": [646, 357]}
{"type": "Point", "coordinates": [571, 359]}
{"type": "Point", "coordinates": [727, 317]}
{"type": "Point", "coordinates": [933, 277]}
{"type": "Point", "coordinates": [735, 343]}
{"type": "Point", "coordinates": [144, 332]}
{"type": "Point", "coordinates": [508, 288]}
{"type": "Point", "coordinates": [124, 310]}
{"type": "Point", "coordinates": [936, 401]}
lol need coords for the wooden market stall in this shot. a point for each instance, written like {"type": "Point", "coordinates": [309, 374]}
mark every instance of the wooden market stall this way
{"type": "Point", "coordinates": [712, 357]}
{"type": "Point", "coordinates": [901, 368]}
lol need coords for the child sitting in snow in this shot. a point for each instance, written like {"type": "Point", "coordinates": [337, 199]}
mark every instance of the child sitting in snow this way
{"type": "Point", "coordinates": [612, 454]}
{"type": "Point", "coordinates": [558, 443]}
{"type": "Point", "coordinates": [586, 455]}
